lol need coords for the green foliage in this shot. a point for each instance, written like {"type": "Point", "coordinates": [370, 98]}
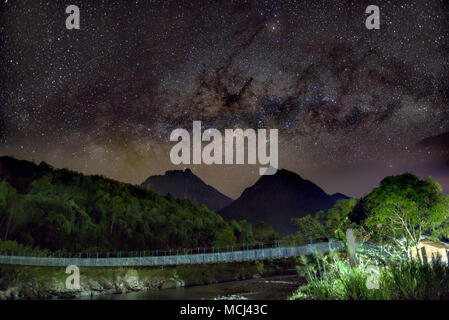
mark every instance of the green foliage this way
{"type": "Point", "coordinates": [310, 228]}
{"type": "Point", "coordinates": [264, 233]}
{"type": "Point", "coordinates": [322, 225]}
{"type": "Point", "coordinates": [225, 237]}
{"type": "Point", "coordinates": [12, 208]}
{"type": "Point", "coordinates": [416, 280]}
{"type": "Point", "coordinates": [398, 213]}
{"type": "Point", "coordinates": [337, 218]}
{"type": "Point", "coordinates": [406, 207]}
{"type": "Point", "coordinates": [65, 210]}
{"type": "Point", "coordinates": [260, 267]}
{"type": "Point", "coordinates": [243, 231]}
{"type": "Point", "coordinates": [12, 247]}
{"type": "Point", "coordinates": [332, 278]}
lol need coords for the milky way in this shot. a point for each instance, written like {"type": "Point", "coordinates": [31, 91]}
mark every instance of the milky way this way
{"type": "Point", "coordinates": [351, 104]}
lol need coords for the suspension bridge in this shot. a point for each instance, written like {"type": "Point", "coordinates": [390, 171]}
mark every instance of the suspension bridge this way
{"type": "Point", "coordinates": [198, 257]}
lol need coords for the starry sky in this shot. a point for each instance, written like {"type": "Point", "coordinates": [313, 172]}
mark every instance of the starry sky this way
{"type": "Point", "coordinates": [352, 105]}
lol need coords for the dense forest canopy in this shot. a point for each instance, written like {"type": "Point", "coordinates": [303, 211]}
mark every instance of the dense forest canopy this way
{"type": "Point", "coordinates": [65, 210]}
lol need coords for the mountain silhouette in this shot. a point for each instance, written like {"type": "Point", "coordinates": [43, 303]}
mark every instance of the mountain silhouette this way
{"type": "Point", "coordinates": [185, 184]}
{"type": "Point", "coordinates": [276, 199]}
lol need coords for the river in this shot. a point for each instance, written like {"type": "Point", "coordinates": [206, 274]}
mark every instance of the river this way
{"type": "Point", "coordinates": [271, 288]}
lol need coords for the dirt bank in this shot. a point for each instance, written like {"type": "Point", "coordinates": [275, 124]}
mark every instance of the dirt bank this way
{"type": "Point", "coordinates": [24, 282]}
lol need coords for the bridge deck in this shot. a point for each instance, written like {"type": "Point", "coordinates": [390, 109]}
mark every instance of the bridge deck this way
{"type": "Point", "coordinates": [244, 255]}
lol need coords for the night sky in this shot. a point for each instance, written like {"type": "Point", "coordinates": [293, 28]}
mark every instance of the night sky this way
{"type": "Point", "coordinates": [351, 104]}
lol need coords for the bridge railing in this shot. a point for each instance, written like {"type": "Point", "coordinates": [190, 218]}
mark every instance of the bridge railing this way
{"type": "Point", "coordinates": [193, 258]}
{"type": "Point", "coordinates": [14, 249]}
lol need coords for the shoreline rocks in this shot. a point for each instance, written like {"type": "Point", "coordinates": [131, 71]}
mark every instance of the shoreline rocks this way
{"type": "Point", "coordinates": [90, 288]}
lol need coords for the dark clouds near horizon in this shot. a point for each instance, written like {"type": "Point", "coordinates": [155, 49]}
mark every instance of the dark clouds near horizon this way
{"type": "Point", "coordinates": [351, 105]}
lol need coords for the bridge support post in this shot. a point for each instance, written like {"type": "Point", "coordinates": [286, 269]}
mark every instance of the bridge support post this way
{"type": "Point", "coordinates": [351, 246]}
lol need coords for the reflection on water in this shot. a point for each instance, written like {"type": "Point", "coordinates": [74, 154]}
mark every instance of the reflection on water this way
{"type": "Point", "coordinates": [272, 288]}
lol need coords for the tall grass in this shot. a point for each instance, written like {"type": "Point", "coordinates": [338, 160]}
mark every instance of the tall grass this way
{"type": "Point", "coordinates": [417, 280]}
{"type": "Point", "coordinates": [332, 278]}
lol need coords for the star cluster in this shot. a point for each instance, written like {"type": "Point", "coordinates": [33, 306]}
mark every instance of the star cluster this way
{"type": "Point", "coordinates": [351, 104]}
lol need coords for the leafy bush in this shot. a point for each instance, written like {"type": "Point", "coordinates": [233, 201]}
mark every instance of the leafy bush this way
{"type": "Point", "coordinates": [332, 278]}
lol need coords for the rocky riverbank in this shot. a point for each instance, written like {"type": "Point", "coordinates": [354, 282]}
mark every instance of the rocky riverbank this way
{"type": "Point", "coordinates": [129, 282]}
{"type": "Point", "coordinates": [25, 282]}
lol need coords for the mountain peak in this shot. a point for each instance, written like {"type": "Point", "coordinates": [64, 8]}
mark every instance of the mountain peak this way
{"type": "Point", "coordinates": [185, 184]}
{"type": "Point", "coordinates": [278, 198]}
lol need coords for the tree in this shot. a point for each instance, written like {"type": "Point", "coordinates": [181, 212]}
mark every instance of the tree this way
{"type": "Point", "coordinates": [310, 228]}
{"type": "Point", "coordinates": [117, 210]}
{"type": "Point", "coordinates": [406, 207]}
{"type": "Point", "coordinates": [225, 237]}
{"type": "Point", "coordinates": [243, 231]}
{"type": "Point", "coordinates": [13, 207]}
{"type": "Point", "coordinates": [337, 218]}
{"type": "Point", "coordinates": [264, 233]}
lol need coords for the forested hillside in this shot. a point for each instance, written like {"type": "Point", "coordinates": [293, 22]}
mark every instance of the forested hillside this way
{"type": "Point", "coordinates": [62, 209]}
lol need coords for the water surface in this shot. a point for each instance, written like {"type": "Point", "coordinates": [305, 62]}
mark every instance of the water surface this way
{"type": "Point", "coordinates": [271, 288]}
